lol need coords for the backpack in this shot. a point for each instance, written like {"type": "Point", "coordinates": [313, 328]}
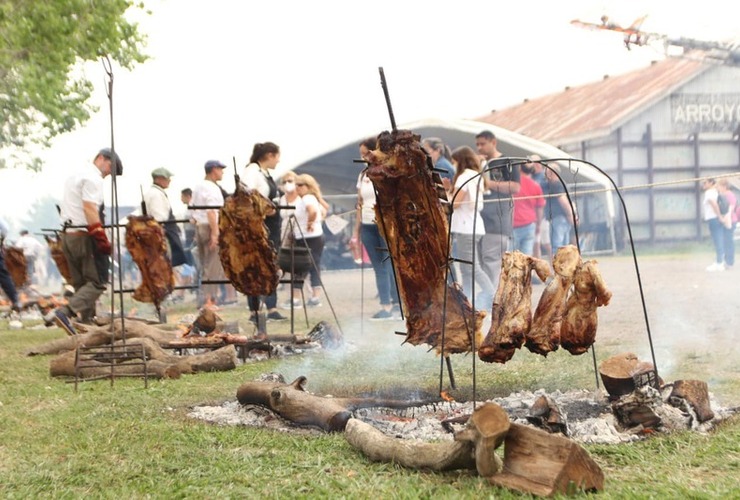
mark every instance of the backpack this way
{"type": "Point", "coordinates": [724, 206]}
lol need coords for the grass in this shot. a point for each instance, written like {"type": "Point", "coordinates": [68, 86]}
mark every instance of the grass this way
{"type": "Point", "coordinates": [127, 441]}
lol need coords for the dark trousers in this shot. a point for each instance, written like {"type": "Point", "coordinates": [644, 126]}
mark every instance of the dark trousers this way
{"type": "Point", "coordinates": [89, 273]}
{"type": "Point", "coordinates": [315, 246]}
{"type": "Point", "coordinates": [6, 281]}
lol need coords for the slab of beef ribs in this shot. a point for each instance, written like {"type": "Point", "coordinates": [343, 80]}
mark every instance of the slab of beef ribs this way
{"type": "Point", "coordinates": [146, 242]}
{"type": "Point", "coordinates": [412, 219]}
{"type": "Point", "coordinates": [248, 256]}
{"type": "Point", "coordinates": [578, 332]}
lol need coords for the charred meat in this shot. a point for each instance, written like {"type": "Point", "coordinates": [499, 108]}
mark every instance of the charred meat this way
{"type": "Point", "coordinates": [248, 256]}
{"type": "Point", "coordinates": [146, 242]}
{"type": "Point", "coordinates": [412, 219]}
{"type": "Point", "coordinates": [578, 332]}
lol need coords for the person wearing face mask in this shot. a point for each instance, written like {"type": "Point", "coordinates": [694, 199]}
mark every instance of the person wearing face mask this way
{"type": "Point", "coordinates": [256, 175]}
{"type": "Point", "coordinates": [289, 198]}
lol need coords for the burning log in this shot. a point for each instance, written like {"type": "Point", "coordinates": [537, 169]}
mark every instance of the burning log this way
{"type": "Point", "coordinates": [543, 464]}
{"type": "Point", "coordinates": [696, 394]}
{"type": "Point", "coordinates": [620, 372]}
{"type": "Point", "coordinates": [378, 447]}
{"type": "Point", "coordinates": [545, 414]}
{"type": "Point", "coordinates": [293, 403]}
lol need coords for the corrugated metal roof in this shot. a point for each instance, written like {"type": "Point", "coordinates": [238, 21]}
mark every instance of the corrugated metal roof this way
{"type": "Point", "coordinates": [596, 109]}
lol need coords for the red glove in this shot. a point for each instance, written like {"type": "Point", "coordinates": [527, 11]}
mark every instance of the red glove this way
{"type": "Point", "coordinates": [99, 238]}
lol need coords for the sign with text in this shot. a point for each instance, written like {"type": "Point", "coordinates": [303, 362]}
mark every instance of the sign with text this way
{"type": "Point", "coordinates": [705, 112]}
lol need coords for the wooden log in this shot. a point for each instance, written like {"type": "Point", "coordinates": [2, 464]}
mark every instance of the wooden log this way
{"type": "Point", "coordinates": [543, 464]}
{"type": "Point", "coordinates": [293, 403]}
{"type": "Point", "coordinates": [378, 447]}
{"type": "Point", "coordinates": [618, 372]}
{"type": "Point", "coordinates": [486, 430]}
{"type": "Point", "coordinates": [63, 365]}
{"type": "Point", "coordinates": [696, 393]}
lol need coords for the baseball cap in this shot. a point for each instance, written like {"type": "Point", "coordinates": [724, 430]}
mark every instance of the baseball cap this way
{"type": "Point", "coordinates": [211, 164]}
{"type": "Point", "coordinates": [162, 172]}
{"type": "Point", "coordinates": [113, 157]}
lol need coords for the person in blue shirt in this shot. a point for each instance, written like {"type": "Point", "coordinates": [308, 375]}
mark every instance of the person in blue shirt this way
{"type": "Point", "coordinates": [441, 156]}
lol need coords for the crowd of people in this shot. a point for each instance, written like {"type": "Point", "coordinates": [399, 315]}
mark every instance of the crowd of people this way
{"type": "Point", "coordinates": [496, 207]}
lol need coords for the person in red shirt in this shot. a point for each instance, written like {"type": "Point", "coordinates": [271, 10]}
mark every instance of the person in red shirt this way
{"type": "Point", "coordinates": [529, 205]}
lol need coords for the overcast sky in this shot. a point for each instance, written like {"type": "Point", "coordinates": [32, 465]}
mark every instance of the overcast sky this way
{"type": "Point", "coordinates": [226, 74]}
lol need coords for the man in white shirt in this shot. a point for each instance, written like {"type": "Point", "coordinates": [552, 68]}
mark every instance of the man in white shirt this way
{"type": "Point", "coordinates": [158, 206]}
{"type": "Point", "coordinates": [84, 241]}
{"type": "Point", "coordinates": [208, 193]}
{"type": "Point", "coordinates": [32, 250]}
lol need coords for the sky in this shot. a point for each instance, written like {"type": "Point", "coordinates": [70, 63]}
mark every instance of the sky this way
{"type": "Point", "coordinates": [224, 75]}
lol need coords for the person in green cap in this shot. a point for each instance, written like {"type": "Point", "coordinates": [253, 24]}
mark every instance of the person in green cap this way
{"type": "Point", "coordinates": [158, 206]}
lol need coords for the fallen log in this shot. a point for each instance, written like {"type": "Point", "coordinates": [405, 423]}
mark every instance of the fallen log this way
{"type": "Point", "coordinates": [222, 359]}
{"type": "Point", "coordinates": [64, 366]}
{"type": "Point", "coordinates": [293, 403]}
{"type": "Point", "coordinates": [543, 464]}
{"type": "Point", "coordinates": [378, 447]}
{"type": "Point", "coordinates": [696, 393]}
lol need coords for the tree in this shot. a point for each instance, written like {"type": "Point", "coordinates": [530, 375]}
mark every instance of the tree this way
{"type": "Point", "coordinates": [41, 43]}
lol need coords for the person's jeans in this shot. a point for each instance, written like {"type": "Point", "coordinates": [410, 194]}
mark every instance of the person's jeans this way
{"type": "Point", "coordinates": [524, 238]}
{"type": "Point", "coordinates": [485, 291]}
{"type": "Point", "coordinates": [559, 232]}
{"type": "Point", "coordinates": [716, 230]}
{"type": "Point", "coordinates": [729, 244]}
{"type": "Point", "coordinates": [491, 249]}
{"type": "Point", "coordinates": [384, 278]}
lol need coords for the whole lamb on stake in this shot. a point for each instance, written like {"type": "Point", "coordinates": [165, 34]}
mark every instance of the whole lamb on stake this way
{"type": "Point", "coordinates": [146, 242]}
{"type": "Point", "coordinates": [412, 220]}
{"type": "Point", "coordinates": [512, 306]}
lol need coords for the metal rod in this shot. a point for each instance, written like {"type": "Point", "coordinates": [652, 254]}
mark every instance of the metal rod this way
{"type": "Point", "coordinates": [387, 98]}
{"type": "Point", "coordinates": [450, 372]}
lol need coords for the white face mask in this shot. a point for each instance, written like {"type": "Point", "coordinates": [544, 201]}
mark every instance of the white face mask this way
{"type": "Point", "coordinates": [289, 187]}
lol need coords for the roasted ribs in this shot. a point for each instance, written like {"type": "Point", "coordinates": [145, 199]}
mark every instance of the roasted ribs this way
{"type": "Point", "coordinates": [15, 262]}
{"type": "Point", "coordinates": [578, 332]}
{"type": "Point", "coordinates": [146, 242]}
{"type": "Point", "coordinates": [544, 335]}
{"type": "Point", "coordinates": [57, 255]}
{"type": "Point", "coordinates": [247, 255]}
{"type": "Point", "coordinates": [411, 218]}
{"type": "Point", "coordinates": [511, 315]}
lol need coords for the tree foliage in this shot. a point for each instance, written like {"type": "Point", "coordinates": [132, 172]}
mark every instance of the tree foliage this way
{"type": "Point", "coordinates": [41, 43]}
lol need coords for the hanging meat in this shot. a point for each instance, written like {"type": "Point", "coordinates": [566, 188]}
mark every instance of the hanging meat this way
{"type": "Point", "coordinates": [578, 332]}
{"type": "Point", "coordinates": [57, 255]}
{"type": "Point", "coordinates": [248, 256]}
{"type": "Point", "coordinates": [511, 316]}
{"type": "Point", "coordinates": [15, 262]}
{"type": "Point", "coordinates": [146, 242]}
{"type": "Point", "coordinates": [544, 335]}
{"type": "Point", "coordinates": [411, 218]}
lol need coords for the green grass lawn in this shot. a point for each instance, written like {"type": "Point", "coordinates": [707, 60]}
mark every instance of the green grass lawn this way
{"type": "Point", "coordinates": [127, 441]}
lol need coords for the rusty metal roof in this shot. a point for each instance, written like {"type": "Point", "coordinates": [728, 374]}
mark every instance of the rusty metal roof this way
{"type": "Point", "coordinates": [595, 109]}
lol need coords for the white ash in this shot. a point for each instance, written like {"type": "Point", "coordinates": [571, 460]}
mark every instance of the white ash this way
{"type": "Point", "coordinates": [588, 415]}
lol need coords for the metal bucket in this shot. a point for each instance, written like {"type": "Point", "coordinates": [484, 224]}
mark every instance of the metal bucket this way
{"type": "Point", "coordinates": [296, 260]}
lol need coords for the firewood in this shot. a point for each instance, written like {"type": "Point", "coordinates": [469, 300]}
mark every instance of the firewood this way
{"type": "Point", "coordinates": [293, 403]}
{"type": "Point", "coordinates": [378, 447]}
{"type": "Point", "coordinates": [618, 372]}
{"type": "Point", "coordinates": [696, 393]}
{"type": "Point", "coordinates": [486, 429]}
{"type": "Point", "coordinates": [543, 464]}
{"type": "Point", "coordinates": [64, 366]}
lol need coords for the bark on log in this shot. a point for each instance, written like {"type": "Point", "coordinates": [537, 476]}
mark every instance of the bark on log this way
{"type": "Point", "coordinates": [378, 447]}
{"type": "Point", "coordinates": [543, 464]}
{"type": "Point", "coordinates": [64, 366]}
{"type": "Point", "coordinates": [486, 430]}
{"type": "Point", "coordinates": [163, 363]}
{"type": "Point", "coordinates": [293, 403]}
{"type": "Point", "coordinates": [696, 393]}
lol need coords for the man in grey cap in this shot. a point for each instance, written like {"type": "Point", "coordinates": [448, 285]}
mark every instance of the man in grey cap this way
{"type": "Point", "coordinates": [158, 206]}
{"type": "Point", "coordinates": [84, 240]}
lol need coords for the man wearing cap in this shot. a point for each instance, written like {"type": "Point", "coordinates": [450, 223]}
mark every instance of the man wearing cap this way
{"type": "Point", "coordinates": [157, 205]}
{"type": "Point", "coordinates": [208, 193]}
{"type": "Point", "coordinates": [84, 241]}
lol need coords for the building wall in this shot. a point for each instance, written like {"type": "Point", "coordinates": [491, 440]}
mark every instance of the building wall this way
{"type": "Point", "coordinates": [689, 134]}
